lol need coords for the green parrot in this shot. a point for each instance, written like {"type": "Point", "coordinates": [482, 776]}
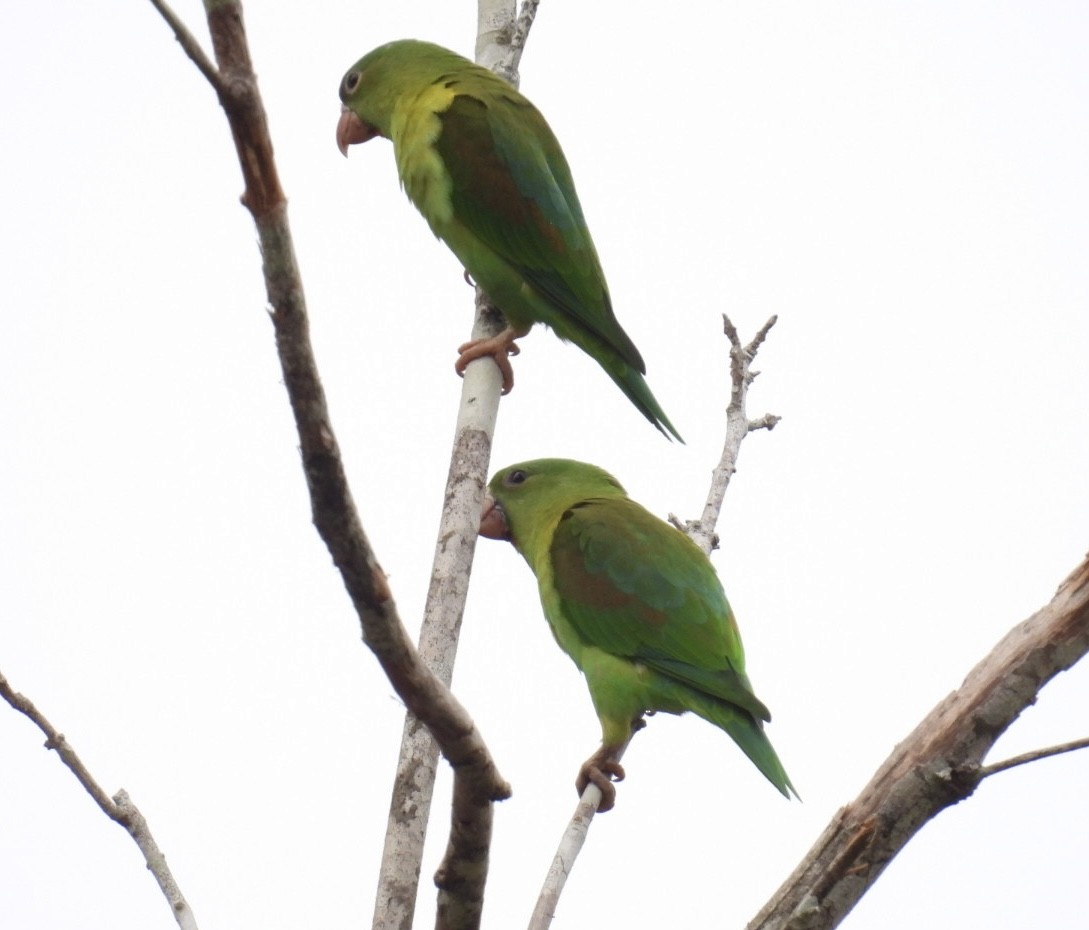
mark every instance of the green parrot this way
{"type": "Point", "coordinates": [481, 164]}
{"type": "Point", "coordinates": [637, 606]}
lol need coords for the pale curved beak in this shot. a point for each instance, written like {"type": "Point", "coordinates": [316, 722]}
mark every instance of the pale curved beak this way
{"type": "Point", "coordinates": [493, 522]}
{"type": "Point", "coordinates": [352, 130]}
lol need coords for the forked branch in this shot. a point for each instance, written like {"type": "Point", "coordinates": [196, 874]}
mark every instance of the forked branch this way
{"type": "Point", "coordinates": [936, 766]}
{"type": "Point", "coordinates": [477, 782]}
{"type": "Point", "coordinates": [500, 39]}
{"type": "Point", "coordinates": [119, 808]}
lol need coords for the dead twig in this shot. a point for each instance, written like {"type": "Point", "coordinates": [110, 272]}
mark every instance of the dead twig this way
{"type": "Point", "coordinates": [119, 808]}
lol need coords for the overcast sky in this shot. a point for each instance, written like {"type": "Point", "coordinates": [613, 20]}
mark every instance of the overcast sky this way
{"type": "Point", "coordinates": [905, 185]}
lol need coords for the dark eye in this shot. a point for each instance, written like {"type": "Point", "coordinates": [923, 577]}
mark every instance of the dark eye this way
{"type": "Point", "coordinates": [516, 477]}
{"type": "Point", "coordinates": [351, 81]}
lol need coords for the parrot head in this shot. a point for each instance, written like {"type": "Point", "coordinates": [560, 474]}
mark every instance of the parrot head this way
{"type": "Point", "coordinates": [533, 495]}
{"type": "Point", "coordinates": [364, 111]}
{"type": "Point", "coordinates": [371, 88]}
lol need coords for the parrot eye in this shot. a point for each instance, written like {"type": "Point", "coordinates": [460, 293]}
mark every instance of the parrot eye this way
{"type": "Point", "coordinates": [516, 477]}
{"type": "Point", "coordinates": [351, 81]}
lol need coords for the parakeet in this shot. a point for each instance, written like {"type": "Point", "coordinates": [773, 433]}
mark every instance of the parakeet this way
{"type": "Point", "coordinates": [635, 603]}
{"type": "Point", "coordinates": [483, 167]}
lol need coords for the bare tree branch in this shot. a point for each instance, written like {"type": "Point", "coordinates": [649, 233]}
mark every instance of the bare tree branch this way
{"type": "Point", "coordinates": [571, 843]}
{"type": "Point", "coordinates": [702, 533]}
{"type": "Point", "coordinates": [191, 47]}
{"type": "Point", "coordinates": [521, 31]}
{"type": "Point", "coordinates": [737, 428]}
{"type": "Point", "coordinates": [460, 877]}
{"type": "Point", "coordinates": [936, 766]}
{"type": "Point", "coordinates": [414, 781]}
{"type": "Point", "coordinates": [768, 421]}
{"type": "Point", "coordinates": [477, 782]}
{"type": "Point", "coordinates": [120, 808]}
{"type": "Point", "coordinates": [994, 768]}
{"type": "Point", "coordinates": [500, 37]}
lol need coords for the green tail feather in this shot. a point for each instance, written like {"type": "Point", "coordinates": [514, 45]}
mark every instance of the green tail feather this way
{"type": "Point", "coordinates": [632, 383]}
{"type": "Point", "coordinates": [749, 735]}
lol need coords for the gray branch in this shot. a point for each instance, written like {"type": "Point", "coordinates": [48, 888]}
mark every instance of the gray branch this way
{"type": "Point", "coordinates": [738, 426]}
{"type": "Point", "coordinates": [477, 783]}
{"type": "Point", "coordinates": [414, 781]}
{"type": "Point", "coordinates": [501, 37]}
{"type": "Point", "coordinates": [464, 868]}
{"type": "Point", "coordinates": [936, 766]}
{"type": "Point", "coordinates": [119, 808]}
{"type": "Point", "coordinates": [1035, 756]}
{"type": "Point", "coordinates": [191, 47]}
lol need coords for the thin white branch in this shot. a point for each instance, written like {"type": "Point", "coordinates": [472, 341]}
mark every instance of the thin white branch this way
{"type": "Point", "coordinates": [501, 37]}
{"type": "Point", "coordinates": [738, 426]}
{"type": "Point", "coordinates": [570, 845]}
{"type": "Point", "coordinates": [521, 30]}
{"type": "Point", "coordinates": [119, 809]}
{"type": "Point", "coordinates": [410, 804]}
{"type": "Point", "coordinates": [414, 782]}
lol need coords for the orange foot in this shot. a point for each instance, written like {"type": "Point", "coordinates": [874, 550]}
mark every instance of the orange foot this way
{"type": "Point", "coordinates": [498, 348]}
{"type": "Point", "coordinates": [601, 769]}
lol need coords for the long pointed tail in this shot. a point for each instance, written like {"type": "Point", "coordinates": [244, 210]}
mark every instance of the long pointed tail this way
{"type": "Point", "coordinates": [635, 388]}
{"type": "Point", "coordinates": [749, 735]}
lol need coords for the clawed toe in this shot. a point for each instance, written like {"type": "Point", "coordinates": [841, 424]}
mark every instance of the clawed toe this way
{"type": "Point", "coordinates": [499, 349]}
{"type": "Point", "coordinates": [600, 773]}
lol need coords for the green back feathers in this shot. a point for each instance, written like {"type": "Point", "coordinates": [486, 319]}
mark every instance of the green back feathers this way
{"type": "Point", "coordinates": [628, 582]}
{"type": "Point", "coordinates": [512, 189]}
{"type": "Point", "coordinates": [617, 580]}
{"type": "Point", "coordinates": [639, 588]}
{"type": "Point", "coordinates": [481, 164]}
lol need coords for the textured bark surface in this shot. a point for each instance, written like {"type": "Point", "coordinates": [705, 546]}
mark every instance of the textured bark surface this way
{"type": "Point", "coordinates": [937, 765]}
{"type": "Point", "coordinates": [422, 683]}
{"type": "Point", "coordinates": [464, 869]}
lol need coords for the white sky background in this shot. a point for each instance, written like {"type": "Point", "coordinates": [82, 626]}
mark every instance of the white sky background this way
{"type": "Point", "coordinates": [905, 185]}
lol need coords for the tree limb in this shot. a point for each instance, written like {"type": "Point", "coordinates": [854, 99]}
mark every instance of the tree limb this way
{"type": "Point", "coordinates": [936, 766]}
{"type": "Point", "coordinates": [571, 843]}
{"type": "Point", "coordinates": [119, 809]}
{"type": "Point", "coordinates": [191, 47]}
{"type": "Point", "coordinates": [1035, 756]}
{"type": "Point", "coordinates": [460, 877]}
{"type": "Point", "coordinates": [521, 30]}
{"type": "Point", "coordinates": [702, 532]}
{"type": "Point", "coordinates": [501, 37]}
{"type": "Point", "coordinates": [738, 427]}
{"type": "Point", "coordinates": [477, 782]}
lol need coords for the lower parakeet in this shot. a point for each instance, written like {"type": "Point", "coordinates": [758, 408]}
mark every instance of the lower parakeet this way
{"type": "Point", "coordinates": [637, 606]}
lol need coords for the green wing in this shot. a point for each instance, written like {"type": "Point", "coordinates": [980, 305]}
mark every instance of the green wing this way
{"type": "Point", "coordinates": [512, 189]}
{"type": "Point", "coordinates": [636, 587]}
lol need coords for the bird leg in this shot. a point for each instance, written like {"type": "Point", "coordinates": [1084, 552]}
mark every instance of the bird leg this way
{"type": "Point", "coordinates": [497, 348]}
{"type": "Point", "coordinates": [601, 769]}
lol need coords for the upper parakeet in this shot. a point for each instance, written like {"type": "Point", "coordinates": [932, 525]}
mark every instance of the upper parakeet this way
{"type": "Point", "coordinates": [635, 603]}
{"type": "Point", "coordinates": [481, 164]}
